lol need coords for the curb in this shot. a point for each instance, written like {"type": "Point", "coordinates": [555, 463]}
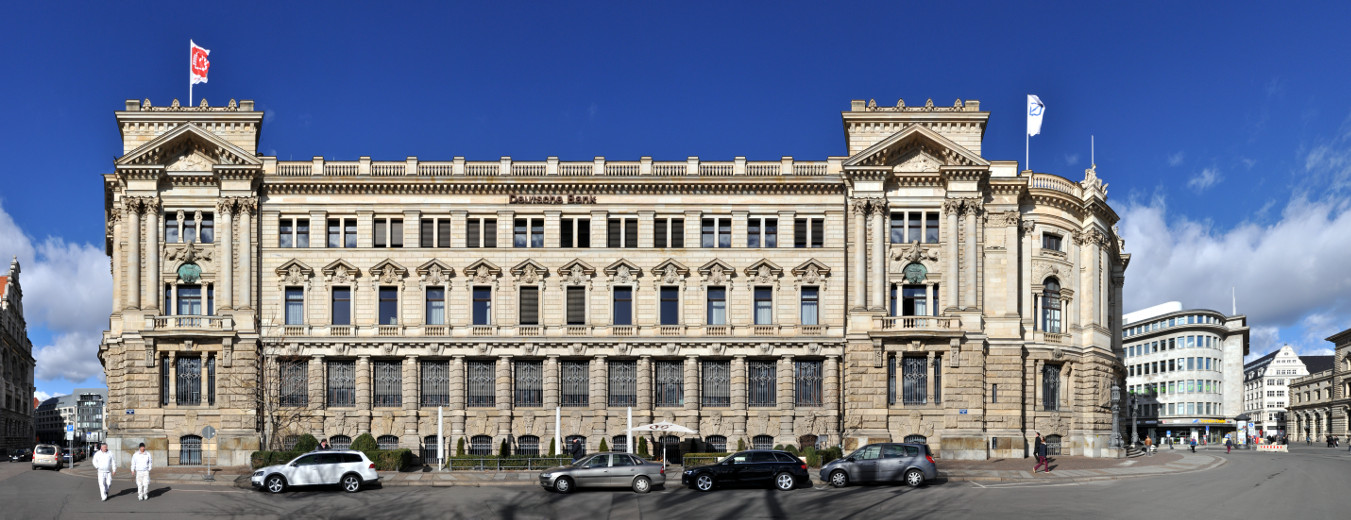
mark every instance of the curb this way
{"type": "Point", "coordinates": [1219, 461]}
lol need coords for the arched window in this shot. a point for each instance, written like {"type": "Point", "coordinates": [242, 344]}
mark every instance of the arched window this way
{"type": "Point", "coordinates": [289, 442]}
{"type": "Point", "coordinates": [527, 445]}
{"type": "Point", "coordinates": [1052, 445]}
{"type": "Point", "coordinates": [808, 441]}
{"type": "Point", "coordinates": [716, 443]}
{"type": "Point", "coordinates": [429, 451]}
{"type": "Point", "coordinates": [387, 442]}
{"type": "Point", "coordinates": [917, 438]}
{"type": "Point", "coordinates": [619, 443]}
{"type": "Point", "coordinates": [1050, 306]}
{"type": "Point", "coordinates": [481, 445]}
{"type": "Point", "coordinates": [190, 450]}
{"type": "Point", "coordinates": [340, 442]}
{"type": "Point", "coordinates": [762, 442]}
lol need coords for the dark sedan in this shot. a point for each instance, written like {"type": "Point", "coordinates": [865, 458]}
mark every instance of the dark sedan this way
{"type": "Point", "coordinates": [20, 455]}
{"type": "Point", "coordinates": [756, 468]}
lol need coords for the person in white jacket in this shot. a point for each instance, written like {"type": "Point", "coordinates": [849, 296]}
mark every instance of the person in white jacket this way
{"type": "Point", "coordinates": [141, 463]}
{"type": "Point", "coordinates": [107, 467]}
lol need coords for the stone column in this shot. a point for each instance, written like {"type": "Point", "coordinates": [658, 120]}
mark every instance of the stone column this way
{"type": "Point", "coordinates": [787, 386]}
{"type": "Point", "coordinates": [858, 276]}
{"type": "Point", "coordinates": [318, 380]}
{"type": "Point", "coordinates": [877, 274]}
{"type": "Point", "coordinates": [151, 285]}
{"type": "Point", "coordinates": [551, 388]}
{"type": "Point", "coordinates": [503, 386]}
{"type": "Point", "coordinates": [1011, 281]}
{"type": "Point", "coordinates": [831, 386]}
{"type": "Point", "coordinates": [1028, 310]}
{"type": "Point", "coordinates": [599, 384]}
{"type": "Point", "coordinates": [133, 289]}
{"type": "Point", "coordinates": [952, 268]}
{"type": "Point", "coordinates": [969, 274]}
{"type": "Point", "coordinates": [411, 382]}
{"type": "Point", "coordinates": [1036, 382]}
{"type": "Point", "coordinates": [457, 383]}
{"type": "Point", "coordinates": [225, 212]}
{"type": "Point", "coordinates": [644, 385]}
{"type": "Point", "coordinates": [692, 389]}
{"type": "Point", "coordinates": [246, 210]}
{"type": "Point", "coordinates": [929, 380]}
{"type": "Point", "coordinates": [363, 376]}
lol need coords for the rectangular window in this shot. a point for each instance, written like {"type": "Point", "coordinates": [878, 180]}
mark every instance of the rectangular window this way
{"type": "Point", "coordinates": [914, 226]}
{"type": "Point", "coordinates": [669, 232]}
{"type": "Point", "coordinates": [482, 232]}
{"type": "Point", "coordinates": [670, 305]}
{"type": "Point", "coordinates": [164, 381]}
{"type": "Point", "coordinates": [481, 384]}
{"type": "Point", "coordinates": [994, 393]}
{"type": "Point", "coordinates": [434, 232]}
{"type": "Point", "coordinates": [342, 383]}
{"type": "Point", "coordinates": [575, 381]}
{"type": "Point", "coordinates": [387, 375]}
{"type": "Point", "coordinates": [717, 306]}
{"type": "Point", "coordinates": [528, 232]}
{"type": "Point", "coordinates": [389, 305]}
{"type": "Point", "coordinates": [623, 387]}
{"type": "Point", "coordinates": [762, 384]}
{"type": "Point", "coordinates": [529, 383]}
{"type": "Point", "coordinates": [436, 306]}
{"type": "Point", "coordinates": [807, 381]}
{"type": "Point", "coordinates": [435, 383]}
{"type": "Point", "coordinates": [668, 383]}
{"type": "Point", "coordinates": [295, 305]}
{"type": "Point", "coordinates": [1050, 387]}
{"type": "Point", "coordinates": [171, 227]}
{"type": "Point", "coordinates": [891, 380]}
{"type": "Point", "coordinates": [914, 380]}
{"type": "Point", "coordinates": [914, 301]}
{"type": "Point", "coordinates": [483, 305]}
{"type": "Point", "coordinates": [762, 232]}
{"type": "Point", "coordinates": [938, 380]}
{"type": "Point", "coordinates": [716, 232]}
{"type": "Point", "coordinates": [189, 384]}
{"type": "Point", "coordinates": [764, 305]}
{"type": "Point", "coordinates": [190, 300]}
{"type": "Point", "coordinates": [931, 228]}
{"type": "Point", "coordinates": [716, 389]}
{"type": "Point", "coordinates": [342, 306]}
{"type": "Point", "coordinates": [809, 232]}
{"type": "Point", "coordinates": [575, 232]}
{"type": "Point", "coordinates": [1050, 241]}
{"type": "Point", "coordinates": [621, 232]}
{"type": "Point", "coordinates": [294, 381]}
{"type": "Point", "coordinates": [349, 232]}
{"type": "Point", "coordinates": [623, 306]}
{"type": "Point", "coordinates": [810, 314]}
{"type": "Point", "coordinates": [286, 233]}
{"type": "Point", "coordinates": [528, 313]}
{"type": "Point", "coordinates": [335, 232]}
{"type": "Point", "coordinates": [576, 310]}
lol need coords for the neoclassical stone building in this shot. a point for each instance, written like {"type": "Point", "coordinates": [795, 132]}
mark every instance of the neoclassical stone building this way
{"type": "Point", "coordinates": [910, 288]}
{"type": "Point", "coordinates": [16, 366]}
{"type": "Point", "coordinates": [1320, 403]}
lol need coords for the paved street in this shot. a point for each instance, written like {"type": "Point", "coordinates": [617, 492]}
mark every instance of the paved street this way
{"type": "Point", "coordinates": [1309, 482]}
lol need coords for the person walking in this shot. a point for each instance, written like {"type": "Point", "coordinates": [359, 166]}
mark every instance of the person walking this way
{"type": "Point", "coordinates": [141, 463]}
{"type": "Point", "coordinates": [1039, 449]}
{"type": "Point", "coordinates": [1149, 445]}
{"type": "Point", "coordinates": [577, 450]}
{"type": "Point", "coordinates": [1228, 445]}
{"type": "Point", "coordinates": [1193, 444]}
{"type": "Point", "coordinates": [107, 467]}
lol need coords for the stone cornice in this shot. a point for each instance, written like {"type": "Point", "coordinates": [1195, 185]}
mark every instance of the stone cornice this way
{"type": "Point", "coordinates": [477, 186]}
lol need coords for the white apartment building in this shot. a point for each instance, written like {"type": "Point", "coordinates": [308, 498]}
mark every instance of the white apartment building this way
{"type": "Point", "coordinates": [1266, 386]}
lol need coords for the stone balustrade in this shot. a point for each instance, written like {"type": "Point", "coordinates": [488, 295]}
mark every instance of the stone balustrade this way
{"type": "Point", "coordinates": [554, 331]}
{"type": "Point", "coordinates": [506, 167]}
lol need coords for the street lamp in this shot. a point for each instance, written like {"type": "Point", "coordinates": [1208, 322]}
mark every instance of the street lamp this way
{"type": "Point", "coordinates": [1135, 410]}
{"type": "Point", "coordinates": [1116, 415]}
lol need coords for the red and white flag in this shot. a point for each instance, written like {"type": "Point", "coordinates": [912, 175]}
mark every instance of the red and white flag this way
{"type": "Point", "coordinates": [199, 63]}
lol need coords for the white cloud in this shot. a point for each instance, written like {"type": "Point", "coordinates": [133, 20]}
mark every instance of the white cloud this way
{"type": "Point", "coordinates": [67, 290]}
{"type": "Point", "coordinates": [1072, 159]}
{"type": "Point", "coordinates": [1328, 164]}
{"type": "Point", "coordinates": [1204, 180]}
{"type": "Point", "coordinates": [1290, 273]}
{"type": "Point", "coordinates": [43, 396]}
{"type": "Point", "coordinates": [1176, 159]}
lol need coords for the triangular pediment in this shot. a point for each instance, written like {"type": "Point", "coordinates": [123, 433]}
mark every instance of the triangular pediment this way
{"type": "Point", "coordinates": [716, 265]}
{"type": "Point", "coordinates": [811, 265]}
{"type": "Point", "coordinates": [388, 265]}
{"type": "Point", "coordinates": [919, 147]}
{"type": "Point", "coordinates": [341, 265]}
{"type": "Point", "coordinates": [435, 265]}
{"type": "Point", "coordinates": [297, 265]}
{"type": "Point", "coordinates": [577, 264]}
{"type": "Point", "coordinates": [671, 264]}
{"type": "Point", "coordinates": [529, 264]}
{"type": "Point", "coordinates": [764, 268]}
{"type": "Point", "coordinates": [189, 148]}
{"type": "Point", "coordinates": [632, 267]}
{"type": "Point", "coordinates": [482, 266]}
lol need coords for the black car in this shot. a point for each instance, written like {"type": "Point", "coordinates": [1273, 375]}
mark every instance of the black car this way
{"type": "Point", "coordinates": [20, 455]}
{"type": "Point", "coordinates": [757, 468]}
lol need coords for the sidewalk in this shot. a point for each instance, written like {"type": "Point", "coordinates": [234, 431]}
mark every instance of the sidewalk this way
{"type": "Point", "coordinates": [1064, 470]}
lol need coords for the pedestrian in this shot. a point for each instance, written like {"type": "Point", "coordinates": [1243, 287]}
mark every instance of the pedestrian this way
{"type": "Point", "coordinates": [1039, 449]}
{"type": "Point", "coordinates": [577, 450]}
{"type": "Point", "coordinates": [1228, 445]}
{"type": "Point", "coordinates": [1149, 443]}
{"type": "Point", "coordinates": [323, 445]}
{"type": "Point", "coordinates": [107, 467]}
{"type": "Point", "coordinates": [141, 463]}
{"type": "Point", "coordinates": [1193, 444]}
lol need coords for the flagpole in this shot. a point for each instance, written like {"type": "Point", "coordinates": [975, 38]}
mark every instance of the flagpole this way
{"type": "Point", "coordinates": [189, 72]}
{"type": "Point", "coordinates": [1027, 154]}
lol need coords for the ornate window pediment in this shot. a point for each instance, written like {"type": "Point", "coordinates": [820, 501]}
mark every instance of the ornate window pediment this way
{"type": "Point", "coordinates": [340, 272]}
{"type": "Point", "coordinates": [188, 148]}
{"type": "Point", "coordinates": [811, 272]}
{"type": "Point", "coordinates": [529, 272]}
{"type": "Point", "coordinates": [670, 272]}
{"type": "Point", "coordinates": [716, 272]}
{"type": "Point", "coordinates": [576, 272]}
{"type": "Point", "coordinates": [623, 272]}
{"type": "Point", "coordinates": [388, 272]}
{"type": "Point", "coordinates": [763, 272]}
{"type": "Point", "coordinates": [294, 272]}
{"type": "Point", "coordinates": [483, 271]}
{"type": "Point", "coordinates": [435, 272]}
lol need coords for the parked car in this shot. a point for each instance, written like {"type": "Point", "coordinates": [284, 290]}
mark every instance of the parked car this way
{"type": "Point", "coordinates": [750, 468]}
{"type": "Point", "coordinates": [347, 468]}
{"type": "Point", "coordinates": [911, 463]}
{"type": "Point", "coordinates": [20, 455]}
{"type": "Point", "coordinates": [47, 456]}
{"type": "Point", "coordinates": [605, 469]}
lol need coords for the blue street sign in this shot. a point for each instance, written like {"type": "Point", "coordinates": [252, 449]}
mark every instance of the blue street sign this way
{"type": "Point", "coordinates": [70, 427]}
{"type": "Point", "coordinates": [131, 412]}
{"type": "Point", "coordinates": [962, 411]}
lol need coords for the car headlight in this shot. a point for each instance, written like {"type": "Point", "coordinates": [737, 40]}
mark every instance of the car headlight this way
{"type": "Point", "coordinates": [257, 473]}
{"type": "Point", "coordinates": [546, 475]}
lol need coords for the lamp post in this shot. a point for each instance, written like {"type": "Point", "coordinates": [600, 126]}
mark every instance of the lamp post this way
{"type": "Point", "coordinates": [1116, 416]}
{"type": "Point", "coordinates": [1135, 410]}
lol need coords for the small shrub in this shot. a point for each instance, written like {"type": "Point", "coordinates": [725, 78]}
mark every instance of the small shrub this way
{"type": "Point", "coordinates": [504, 449]}
{"type": "Point", "coordinates": [813, 458]}
{"type": "Point", "coordinates": [306, 443]}
{"type": "Point", "coordinates": [604, 446]}
{"type": "Point", "coordinates": [365, 442]}
{"type": "Point", "coordinates": [553, 449]}
{"type": "Point", "coordinates": [793, 449]}
{"type": "Point", "coordinates": [741, 444]}
{"type": "Point", "coordinates": [830, 454]}
{"type": "Point", "coordinates": [778, 447]}
{"type": "Point", "coordinates": [459, 448]}
{"type": "Point", "coordinates": [642, 447]}
{"type": "Point", "coordinates": [392, 460]}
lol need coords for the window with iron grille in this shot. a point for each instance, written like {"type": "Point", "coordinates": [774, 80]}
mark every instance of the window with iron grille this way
{"type": "Point", "coordinates": [809, 232]}
{"type": "Point", "coordinates": [211, 380]}
{"type": "Point", "coordinates": [435, 383]}
{"type": "Point", "coordinates": [481, 382]}
{"type": "Point", "coordinates": [619, 443]}
{"type": "Point", "coordinates": [189, 391]}
{"type": "Point", "coordinates": [288, 443]}
{"type": "Point", "coordinates": [1050, 387]}
{"type": "Point", "coordinates": [164, 381]}
{"type": "Point", "coordinates": [621, 232]}
{"type": "Point", "coordinates": [717, 383]}
{"type": "Point", "coordinates": [575, 379]}
{"type": "Point", "coordinates": [293, 379]}
{"type": "Point", "coordinates": [807, 382]}
{"type": "Point", "coordinates": [387, 442]}
{"type": "Point", "coordinates": [669, 232]}
{"type": "Point", "coordinates": [342, 383]}
{"type": "Point", "coordinates": [388, 383]}
{"type": "Point", "coordinates": [623, 387]}
{"type": "Point", "coordinates": [762, 442]}
{"type": "Point", "coordinates": [669, 383]}
{"type": "Point", "coordinates": [527, 445]}
{"type": "Point", "coordinates": [340, 442]}
{"type": "Point", "coordinates": [529, 307]}
{"type": "Point", "coordinates": [762, 383]}
{"type": "Point", "coordinates": [938, 379]}
{"type": "Point", "coordinates": [480, 445]}
{"type": "Point", "coordinates": [914, 380]}
{"type": "Point", "coordinates": [576, 305]}
{"type": "Point", "coordinates": [574, 232]}
{"type": "Point", "coordinates": [891, 380]}
{"type": "Point", "coordinates": [716, 443]}
{"type": "Point", "coordinates": [189, 450]}
{"type": "Point", "coordinates": [481, 232]}
{"type": "Point", "coordinates": [567, 441]}
{"type": "Point", "coordinates": [529, 383]}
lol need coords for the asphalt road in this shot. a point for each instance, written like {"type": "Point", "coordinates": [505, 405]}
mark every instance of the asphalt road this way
{"type": "Point", "coordinates": [1309, 482]}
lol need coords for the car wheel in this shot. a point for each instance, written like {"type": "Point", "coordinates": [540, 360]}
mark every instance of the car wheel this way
{"type": "Point", "coordinates": [839, 478]}
{"type": "Point", "coordinates": [642, 484]}
{"type": "Point", "coordinates": [563, 485]}
{"type": "Point", "coordinates": [351, 483]}
{"type": "Point", "coordinates": [914, 478]}
{"type": "Point", "coordinates": [703, 482]}
{"type": "Point", "coordinates": [784, 482]}
{"type": "Point", "coordinates": [275, 484]}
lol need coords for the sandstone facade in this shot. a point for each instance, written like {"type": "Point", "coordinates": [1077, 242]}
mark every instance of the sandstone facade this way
{"type": "Point", "coordinates": [16, 366]}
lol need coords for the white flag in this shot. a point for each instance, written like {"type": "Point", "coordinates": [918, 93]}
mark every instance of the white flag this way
{"type": "Point", "coordinates": [1035, 109]}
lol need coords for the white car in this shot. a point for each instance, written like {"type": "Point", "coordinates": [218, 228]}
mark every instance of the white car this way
{"type": "Point", "coordinates": [347, 468]}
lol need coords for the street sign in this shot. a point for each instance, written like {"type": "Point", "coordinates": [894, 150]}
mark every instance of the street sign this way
{"type": "Point", "coordinates": [962, 411]}
{"type": "Point", "coordinates": [131, 412]}
{"type": "Point", "coordinates": [70, 428]}
{"type": "Point", "coordinates": [208, 432]}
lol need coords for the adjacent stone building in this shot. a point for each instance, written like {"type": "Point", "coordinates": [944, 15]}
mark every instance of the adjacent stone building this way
{"type": "Point", "coordinates": [1266, 386]}
{"type": "Point", "coordinates": [1320, 403]}
{"type": "Point", "coordinates": [911, 289]}
{"type": "Point", "coordinates": [16, 366]}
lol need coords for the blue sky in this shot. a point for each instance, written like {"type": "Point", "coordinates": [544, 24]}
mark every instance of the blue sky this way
{"type": "Point", "coordinates": [1224, 132]}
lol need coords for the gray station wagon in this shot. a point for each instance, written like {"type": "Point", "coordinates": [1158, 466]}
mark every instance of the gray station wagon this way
{"type": "Point", "coordinates": [910, 463]}
{"type": "Point", "coordinates": [605, 470]}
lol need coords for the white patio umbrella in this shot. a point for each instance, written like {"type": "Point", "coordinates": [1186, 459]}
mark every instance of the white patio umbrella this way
{"type": "Point", "coordinates": [663, 427]}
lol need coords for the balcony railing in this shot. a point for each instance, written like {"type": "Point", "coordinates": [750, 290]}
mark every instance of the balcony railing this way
{"type": "Point", "coordinates": [1054, 338]}
{"type": "Point", "coordinates": [598, 167]}
{"type": "Point", "coordinates": [189, 323]}
{"type": "Point", "coordinates": [535, 331]}
{"type": "Point", "coordinates": [899, 323]}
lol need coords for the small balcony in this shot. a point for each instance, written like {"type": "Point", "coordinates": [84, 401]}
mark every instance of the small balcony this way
{"type": "Point", "coordinates": [174, 325]}
{"type": "Point", "coordinates": [920, 326]}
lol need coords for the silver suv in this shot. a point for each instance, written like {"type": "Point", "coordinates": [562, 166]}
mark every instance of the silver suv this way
{"type": "Point", "coordinates": [911, 463]}
{"type": "Point", "coordinates": [47, 456]}
{"type": "Point", "coordinates": [347, 468]}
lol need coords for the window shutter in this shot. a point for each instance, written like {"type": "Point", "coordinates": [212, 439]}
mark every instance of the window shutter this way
{"type": "Point", "coordinates": [489, 232]}
{"type": "Point", "coordinates": [800, 232]}
{"type": "Point", "coordinates": [380, 232]}
{"type": "Point", "coordinates": [530, 306]}
{"type": "Point", "coordinates": [475, 226]}
{"type": "Point", "coordinates": [631, 232]}
{"type": "Point", "coordinates": [659, 233]}
{"type": "Point", "coordinates": [576, 305]}
{"type": "Point", "coordinates": [443, 232]}
{"type": "Point", "coordinates": [565, 233]}
{"type": "Point", "coordinates": [425, 233]}
{"type": "Point", "coordinates": [612, 233]}
{"type": "Point", "coordinates": [677, 232]}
